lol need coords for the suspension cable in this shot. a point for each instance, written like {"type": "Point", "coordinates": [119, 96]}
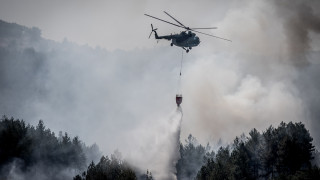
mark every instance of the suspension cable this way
{"type": "Point", "coordinates": [181, 62]}
{"type": "Point", "coordinates": [180, 75]}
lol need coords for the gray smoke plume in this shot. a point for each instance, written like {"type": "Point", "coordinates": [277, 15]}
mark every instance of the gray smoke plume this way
{"type": "Point", "coordinates": [267, 75]}
{"type": "Point", "coordinates": [300, 19]}
{"type": "Point", "coordinates": [37, 172]}
{"type": "Point", "coordinates": [159, 148]}
{"type": "Point", "coordinates": [103, 97]}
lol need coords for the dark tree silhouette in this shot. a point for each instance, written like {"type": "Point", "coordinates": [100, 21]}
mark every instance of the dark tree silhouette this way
{"type": "Point", "coordinates": [108, 169]}
{"type": "Point", "coordinates": [192, 157]}
{"type": "Point", "coordinates": [27, 148]}
{"type": "Point", "coordinates": [14, 141]}
{"type": "Point", "coordinates": [278, 153]}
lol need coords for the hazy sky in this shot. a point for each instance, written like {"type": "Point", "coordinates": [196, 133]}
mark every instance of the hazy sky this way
{"type": "Point", "coordinates": [268, 74]}
{"type": "Point", "coordinates": [107, 23]}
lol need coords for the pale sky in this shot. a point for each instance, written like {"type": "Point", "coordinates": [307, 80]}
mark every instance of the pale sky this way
{"type": "Point", "coordinates": [107, 23]}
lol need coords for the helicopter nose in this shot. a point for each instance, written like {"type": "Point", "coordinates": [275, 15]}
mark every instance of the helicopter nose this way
{"type": "Point", "coordinates": [197, 39]}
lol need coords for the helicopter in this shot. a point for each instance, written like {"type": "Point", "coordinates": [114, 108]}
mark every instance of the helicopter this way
{"type": "Point", "coordinates": [186, 39]}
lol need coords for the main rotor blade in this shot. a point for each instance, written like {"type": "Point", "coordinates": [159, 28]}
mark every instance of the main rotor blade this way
{"type": "Point", "coordinates": [176, 20]}
{"type": "Point", "coordinates": [206, 28]}
{"type": "Point", "coordinates": [211, 35]}
{"type": "Point", "coordinates": [165, 21]}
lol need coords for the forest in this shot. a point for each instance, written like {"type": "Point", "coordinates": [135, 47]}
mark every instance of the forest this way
{"type": "Point", "coordinates": [284, 152]}
{"type": "Point", "coordinates": [36, 152]}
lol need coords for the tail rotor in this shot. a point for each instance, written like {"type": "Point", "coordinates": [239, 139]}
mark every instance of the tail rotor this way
{"type": "Point", "coordinates": [152, 30]}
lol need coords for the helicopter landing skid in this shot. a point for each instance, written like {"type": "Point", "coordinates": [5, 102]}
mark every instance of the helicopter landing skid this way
{"type": "Point", "coordinates": [187, 50]}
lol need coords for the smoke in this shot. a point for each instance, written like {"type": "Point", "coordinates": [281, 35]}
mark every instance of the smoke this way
{"type": "Point", "coordinates": [299, 20]}
{"type": "Point", "coordinates": [226, 103]}
{"type": "Point", "coordinates": [157, 147]}
{"type": "Point", "coordinates": [103, 97]}
{"type": "Point", "coordinates": [36, 172]}
{"type": "Point", "coordinates": [17, 170]}
{"type": "Point", "coordinates": [267, 75]}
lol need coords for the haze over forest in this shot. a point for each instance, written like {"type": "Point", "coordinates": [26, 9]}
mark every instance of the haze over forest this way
{"type": "Point", "coordinates": [121, 97]}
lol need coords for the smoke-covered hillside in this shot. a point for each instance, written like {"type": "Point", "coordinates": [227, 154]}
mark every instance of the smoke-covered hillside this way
{"type": "Point", "coordinates": [28, 152]}
{"type": "Point", "coordinates": [94, 88]}
{"type": "Point", "coordinates": [103, 97]}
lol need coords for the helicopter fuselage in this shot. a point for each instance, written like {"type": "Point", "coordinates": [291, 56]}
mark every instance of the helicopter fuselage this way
{"type": "Point", "coordinates": [186, 40]}
{"type": "Point", "coordinates": [183, 39]}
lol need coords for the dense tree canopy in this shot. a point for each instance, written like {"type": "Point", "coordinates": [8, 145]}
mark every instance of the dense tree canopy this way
{"type": "Point", "coordinates": [24, 148]}
{"type": "Point", "coordinates": [108, 169]}
{"type": "Point", "coordinates": [278, 153]}
{"type": "Point", "coordinates": [284, 152]}
{"type": "Point", "coordinates": [192, 157]}
{"type": "Point", "coordinates": [36, 153]}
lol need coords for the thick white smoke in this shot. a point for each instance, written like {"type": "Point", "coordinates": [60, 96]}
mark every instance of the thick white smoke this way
{"type": "Point", "coordinates": [221, 102]}
{"type": "Point", "coordinates": [157, 146]}
{"type": "Point", "coordinates": [262, 78]}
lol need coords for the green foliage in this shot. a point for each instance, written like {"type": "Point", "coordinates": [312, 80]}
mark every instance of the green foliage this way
{"type": "Point", "coordinates": [33, 146]}
{"type": "Point", "coordinates": [223, 167]}
{"type": "Point", "coordinates": [108, 169]}
{"type": "Point", "coordinates": [148, 176]}
{"type": "Point", "coordinates": [14, 141]}
{"type": "Point", "coordinates": [37, 145]}
{"type": "Point", "coordinates": [241, 160]}
{"type": "Point", "coordinates": [192, 157]}
{"type": "Point", "coordinates": [278, 153]}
